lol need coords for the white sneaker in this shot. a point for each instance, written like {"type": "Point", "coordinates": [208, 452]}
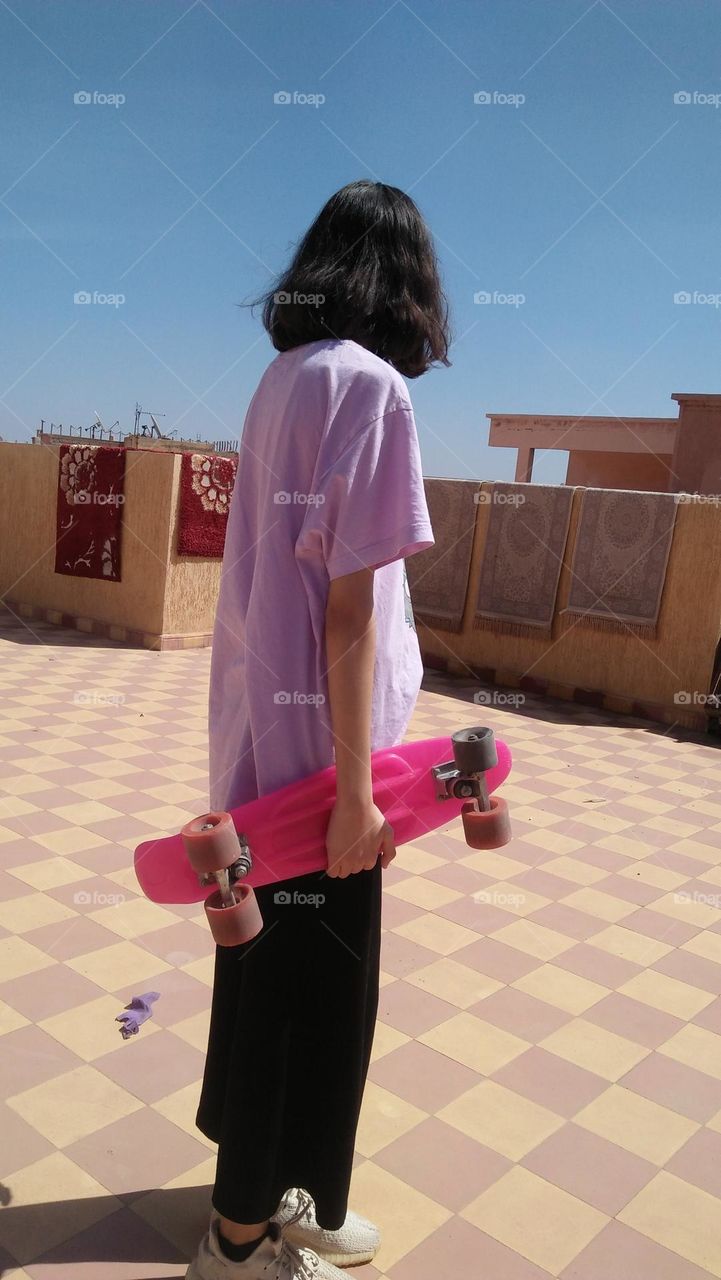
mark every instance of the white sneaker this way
{"type": "Point", "coordinates": [355, 1242]}
{"type": "Point", "coordinates": [275, 1258]}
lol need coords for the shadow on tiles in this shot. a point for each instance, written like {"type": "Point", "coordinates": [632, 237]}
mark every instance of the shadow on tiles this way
{"type": "Point", "coordinates": [136, 1235]}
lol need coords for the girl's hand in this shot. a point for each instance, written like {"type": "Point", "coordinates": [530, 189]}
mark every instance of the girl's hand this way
{"type": "Point", "coordinates": [357, 833]}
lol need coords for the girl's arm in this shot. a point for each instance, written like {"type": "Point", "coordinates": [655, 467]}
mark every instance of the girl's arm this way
{"type": "Point", "coordinates": [357, 829]}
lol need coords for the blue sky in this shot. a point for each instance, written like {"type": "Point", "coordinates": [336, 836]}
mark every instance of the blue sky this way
{"type": "Point", "coordinates": [596, 200]}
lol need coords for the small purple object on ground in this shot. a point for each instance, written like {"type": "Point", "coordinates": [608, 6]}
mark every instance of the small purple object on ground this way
{"type": "Point", "coordinates": [140, 1008]}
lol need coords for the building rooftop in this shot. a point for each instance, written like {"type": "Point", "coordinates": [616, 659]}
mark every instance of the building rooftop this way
{"type": "Point", "coordinates": [548, 1048]}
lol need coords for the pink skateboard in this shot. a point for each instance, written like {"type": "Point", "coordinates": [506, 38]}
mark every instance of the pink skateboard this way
{"type": "Point", "coordinates": [419, 786]}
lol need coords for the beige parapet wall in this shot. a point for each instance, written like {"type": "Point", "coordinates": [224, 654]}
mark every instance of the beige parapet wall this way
{"type": "Point", "coordinates": [168, 602]}
{"type": "Point", "coordinates": [621, 667]}
{"type": "Point", "coordinates": [162, 601]}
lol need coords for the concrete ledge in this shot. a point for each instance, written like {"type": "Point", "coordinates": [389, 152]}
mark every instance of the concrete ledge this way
{"type": "Point", "coordinates": [110, 631]}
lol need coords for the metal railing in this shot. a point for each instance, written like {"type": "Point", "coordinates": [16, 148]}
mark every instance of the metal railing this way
{"type": "Point", "coordinates": [94, 432]}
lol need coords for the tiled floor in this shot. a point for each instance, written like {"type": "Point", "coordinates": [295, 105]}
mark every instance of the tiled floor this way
{"type": "Point", "coordinates": [545, 1095]}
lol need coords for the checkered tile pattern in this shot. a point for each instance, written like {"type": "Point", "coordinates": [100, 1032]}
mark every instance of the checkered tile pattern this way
{"type": "Point", "coordinates": [545, 1092]}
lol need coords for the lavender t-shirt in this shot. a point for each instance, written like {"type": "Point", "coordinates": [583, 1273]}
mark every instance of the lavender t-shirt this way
{"type": "Point", "coordinates": [329, 481]}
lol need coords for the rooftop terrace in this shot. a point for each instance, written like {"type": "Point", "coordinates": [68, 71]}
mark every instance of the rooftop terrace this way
{"type": "Point", "coordinates": [545, 1094]}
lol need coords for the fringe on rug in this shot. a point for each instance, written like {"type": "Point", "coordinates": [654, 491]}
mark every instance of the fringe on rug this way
{"type": "Point", "coordinates": [505, 628]}
{"type": "Point", "coordinates": [595, 622]}
{"type": "Point", "coordinates": [438, 622]}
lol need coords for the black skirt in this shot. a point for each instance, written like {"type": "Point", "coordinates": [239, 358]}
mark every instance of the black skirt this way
{"type": "Point", "coordinates": [291, 1031]}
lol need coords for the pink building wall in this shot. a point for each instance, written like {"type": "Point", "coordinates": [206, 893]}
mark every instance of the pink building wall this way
{"type": "Point", "coordinates": [697, 453]}
{"type": "Point", "coordinates": [643, 471]}
{"type": "Point", "coordinates": [666, 455]}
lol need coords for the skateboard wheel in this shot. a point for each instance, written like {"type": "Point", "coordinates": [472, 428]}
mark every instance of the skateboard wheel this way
{"type": "Point", "coordinates": [211, 842]}
{"type": "Point", "coordinates": [230, 926]}
{"type": "Point", "coordinates": [489, 829]}
{"type": "Point", "coordinates": [474, 750]}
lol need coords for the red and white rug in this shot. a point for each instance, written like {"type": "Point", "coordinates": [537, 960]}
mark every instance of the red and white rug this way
{"type": "Point", "coordinates": [206, 486]}
{"type": "Point", "coordinates": [89, 513]}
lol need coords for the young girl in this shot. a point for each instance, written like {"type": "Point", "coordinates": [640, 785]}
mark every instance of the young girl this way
{"type": "Point", "coordinates": [316, 661]}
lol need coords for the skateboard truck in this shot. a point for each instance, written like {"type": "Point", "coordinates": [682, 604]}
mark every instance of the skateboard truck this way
{"type": "Point", "coordinates": [451, 784]}
{"type": "Point", "coordinates": [486, 824]}
{"type": "Point", "coordinates": [226, 877]}
{"type": "Point", "coordinates": [220, 854]}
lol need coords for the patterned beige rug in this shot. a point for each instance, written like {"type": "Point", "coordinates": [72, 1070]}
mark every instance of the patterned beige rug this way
{"type": "Point", "coordinates": [438, 577]}
{"type": "Point", "coordinates": [620, 559]}
{"type": "Point", "coordinates": [522, 557]}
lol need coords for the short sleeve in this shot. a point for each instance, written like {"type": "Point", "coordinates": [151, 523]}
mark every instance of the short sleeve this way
{"type": "Point", "coordinates": [369, 505]}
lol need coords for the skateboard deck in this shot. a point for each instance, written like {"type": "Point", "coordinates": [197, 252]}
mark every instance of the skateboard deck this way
{"type": "Point", "coordinates": [285, 830]}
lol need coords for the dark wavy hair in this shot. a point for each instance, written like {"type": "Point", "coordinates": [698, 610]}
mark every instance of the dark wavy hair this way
{"type": "Point", "coordinates": [365, 269]}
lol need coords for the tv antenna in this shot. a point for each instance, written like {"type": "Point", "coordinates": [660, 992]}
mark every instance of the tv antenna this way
{"type": "Point", "coordinates": [142, 428]}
